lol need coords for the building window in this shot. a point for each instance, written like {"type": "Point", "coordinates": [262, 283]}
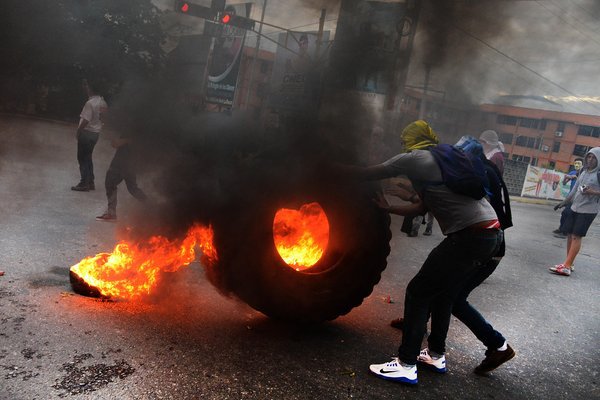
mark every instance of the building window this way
{"type": "Point", "coordinates": [586, 130]}
{"type": "Point", "coordinates": [529, 122]}
{"type": "Point", "coordinates": [264, 67]}
{"type": "Point", "coordinates": [551, 164]}
{"type": "Point", "coordinates": [542, 126]}
{"type": "Point", "coordinates": [556, 147]}
{"type": "Point", "coordinates": [521, 141]}
{"type": "Point", "coordinates": [506, 138]}
{"type": "Point", "coordinates": [534, 161]}
{"type": "Point", "coordinates": [506, 120]}
{"type": "Point", "coordinates": [580, 150]}
{"type": "Point", "coordinates": [526, 141]}
{"type": "Point", "coordinates": [517, 157]}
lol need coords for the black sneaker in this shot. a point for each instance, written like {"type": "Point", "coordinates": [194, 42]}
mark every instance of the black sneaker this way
{"type": "Point", "coordinates": [556, 231]}
{"type": "Point", "coordinates": [80, 188]}
{"type": "Point", "coordinates": [108, 217]}
{"type": "Point", "coordinates": [494, 359]}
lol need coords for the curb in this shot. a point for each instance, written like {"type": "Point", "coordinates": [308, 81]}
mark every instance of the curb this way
{"type": "Point", "coordinates": [530, 200]}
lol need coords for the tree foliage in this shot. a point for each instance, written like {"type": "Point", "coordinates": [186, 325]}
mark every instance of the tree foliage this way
{"type": "Point", "coordinates": [57, 43]}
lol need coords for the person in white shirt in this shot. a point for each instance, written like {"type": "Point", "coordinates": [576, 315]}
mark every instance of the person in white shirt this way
{"type": "Point", "coordinates": [88, 131]}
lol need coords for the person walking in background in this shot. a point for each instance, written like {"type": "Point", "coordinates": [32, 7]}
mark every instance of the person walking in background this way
{"type": "Point", "coordinates": [570, 177]}
{"type": "Point", "coordinates": [122, 167]}
{"type": "Point", "coordinates": [585, 204]}
{"type": "Point", "coordinates": [493, 148]}
{"type": "Point", "coordinates": [88, 131]}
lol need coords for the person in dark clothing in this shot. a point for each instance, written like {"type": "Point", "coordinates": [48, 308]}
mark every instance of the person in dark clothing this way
{"type": "Point", "coordinates": [122, 168]}
{"type": "Point", "coordinates": [498, 350]}
{"type": "Point", "coordinates": [472, 234]}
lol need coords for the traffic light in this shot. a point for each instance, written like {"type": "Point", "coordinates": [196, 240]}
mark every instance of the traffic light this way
{"type": "Point", "coordinates": [225, 17]}
{"type": "Point", "coordinates": [230, 18]}
{"type": "Point", "coordinates": [195, 10]}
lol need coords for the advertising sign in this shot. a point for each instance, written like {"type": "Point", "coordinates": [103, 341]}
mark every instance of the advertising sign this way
{"type": "Point", "coordinates": [545, 184]}
{"type": "Point", "coordinates": [225, 60]}
{"type": "Point", "coordinates": [296, 69]}
{"type": "Point", "coordinates": [370, 39]}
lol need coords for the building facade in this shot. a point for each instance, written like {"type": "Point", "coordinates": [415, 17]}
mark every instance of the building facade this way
{"type": "Point", "coordinates": [550, 139]}
{"type": "Point", "coordinates": [545, 136]}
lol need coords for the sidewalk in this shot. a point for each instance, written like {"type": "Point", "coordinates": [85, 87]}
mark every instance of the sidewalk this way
{"type": "Point", "coordinates": [533, 200]}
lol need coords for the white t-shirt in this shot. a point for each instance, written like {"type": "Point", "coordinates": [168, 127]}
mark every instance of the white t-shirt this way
{"type": "Point", "coordinates": [92, 112]}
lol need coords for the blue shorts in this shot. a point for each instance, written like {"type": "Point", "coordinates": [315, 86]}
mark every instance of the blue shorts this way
{"type": "Point", "coordinates": [577, 223]}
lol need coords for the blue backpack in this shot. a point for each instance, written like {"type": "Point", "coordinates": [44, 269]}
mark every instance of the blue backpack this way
{"type": "Point", "coordinates": [462, 172]}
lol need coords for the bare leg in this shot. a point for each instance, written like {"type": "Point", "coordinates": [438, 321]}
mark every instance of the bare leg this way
{"type": "Point", "coordinates": [573, 247]}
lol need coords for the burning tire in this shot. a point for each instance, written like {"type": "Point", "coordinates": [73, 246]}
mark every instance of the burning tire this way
{"type": "Point", "coordinates": [251, 267]}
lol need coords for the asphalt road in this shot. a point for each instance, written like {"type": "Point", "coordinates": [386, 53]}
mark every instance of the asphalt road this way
{"type": "Point", "coordinates": [193, 343]}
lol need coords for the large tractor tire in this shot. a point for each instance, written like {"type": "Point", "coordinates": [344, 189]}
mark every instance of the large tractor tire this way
{"type": "Point", "coordinates": [250, 266]}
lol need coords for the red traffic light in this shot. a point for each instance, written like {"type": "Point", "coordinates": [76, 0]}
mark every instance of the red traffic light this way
{"type": "Point", "coordinates": [185, 7]}
{"type": "Point", "coordinates": [226, 18]}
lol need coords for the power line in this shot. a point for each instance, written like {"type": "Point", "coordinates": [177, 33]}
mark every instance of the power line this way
{"type": "Point", "coordinates": [560, 17]}
{"type": "Point", "coordinates": [523, 65]}
{"type": "Point", "coordinates": [298, 27]}
{"type": "Point", "coordinates": [592, 14]}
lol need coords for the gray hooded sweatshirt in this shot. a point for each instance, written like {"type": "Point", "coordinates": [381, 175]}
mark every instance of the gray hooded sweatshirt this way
{"type": "Point", "coordinates": [586, 203]}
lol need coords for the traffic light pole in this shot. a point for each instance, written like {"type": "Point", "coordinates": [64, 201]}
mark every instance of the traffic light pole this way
{"type": "Point", "coordinates": [256, 50]}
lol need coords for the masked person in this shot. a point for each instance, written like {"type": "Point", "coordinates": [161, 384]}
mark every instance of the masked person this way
{"type": "Point", "coordinates": [570, 177]}
{"type": "Point", "coordinates": [498, 350]}
{"type": "Point", "coordinates": [472, 236]}
{"type": "Point", "coordinates": [584, 200]}
{"type": "Point", "coordinates": [493, 148]}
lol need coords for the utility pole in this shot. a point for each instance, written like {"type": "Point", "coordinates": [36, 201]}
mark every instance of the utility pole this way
{"type": "Point", "coordinates": [425, 87]}
{"type": "Point", "coordinates": [320, 34]}
{"type": "Point", "coordinates": [256, 51]}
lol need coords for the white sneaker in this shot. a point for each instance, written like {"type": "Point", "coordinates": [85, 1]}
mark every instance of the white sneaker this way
{"type": "Point", "coordinates": [394, 371]}
{"type": "Point", "coordinates": [436, 364]}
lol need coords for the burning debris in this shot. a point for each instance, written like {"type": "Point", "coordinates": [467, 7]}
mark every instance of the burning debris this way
{"type": "Point", "coordinates": [133, 270]}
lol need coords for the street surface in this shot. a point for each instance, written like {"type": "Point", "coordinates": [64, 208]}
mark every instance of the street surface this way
{"type": "Point", "coordinates": [193, 343]}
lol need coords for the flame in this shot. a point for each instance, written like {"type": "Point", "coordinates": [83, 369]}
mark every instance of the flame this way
{"type": "Point", "coordinates": [301, 236]}
{"type": "Point", "coordinates": [133, 269]}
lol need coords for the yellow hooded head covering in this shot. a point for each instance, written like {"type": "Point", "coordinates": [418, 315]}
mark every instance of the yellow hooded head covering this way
{"type": "Point", "coordinates": [418, 135]}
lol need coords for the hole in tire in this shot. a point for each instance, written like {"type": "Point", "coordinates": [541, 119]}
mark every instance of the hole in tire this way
{"type": "Point", "coordinates": [301, 236]}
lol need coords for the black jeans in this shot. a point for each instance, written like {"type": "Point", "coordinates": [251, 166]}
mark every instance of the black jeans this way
{"type": "Point", "coordinates": [469, 316]}
{"type": "Point", "coordinates": [85, 147]}
{"type": "Point", "coordinates": [436, 286]}
{"type": "Point", "coordinates": [121, 168]}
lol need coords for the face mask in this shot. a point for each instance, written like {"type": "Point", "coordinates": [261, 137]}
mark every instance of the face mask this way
{"type": "Point", "coordinates": [577, 165]}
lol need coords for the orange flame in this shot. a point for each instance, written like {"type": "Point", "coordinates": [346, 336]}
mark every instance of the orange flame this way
{"type": "Point", "coordinates": [301, 237]}
{"type": "Point", "coordinates": [133, 269]}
